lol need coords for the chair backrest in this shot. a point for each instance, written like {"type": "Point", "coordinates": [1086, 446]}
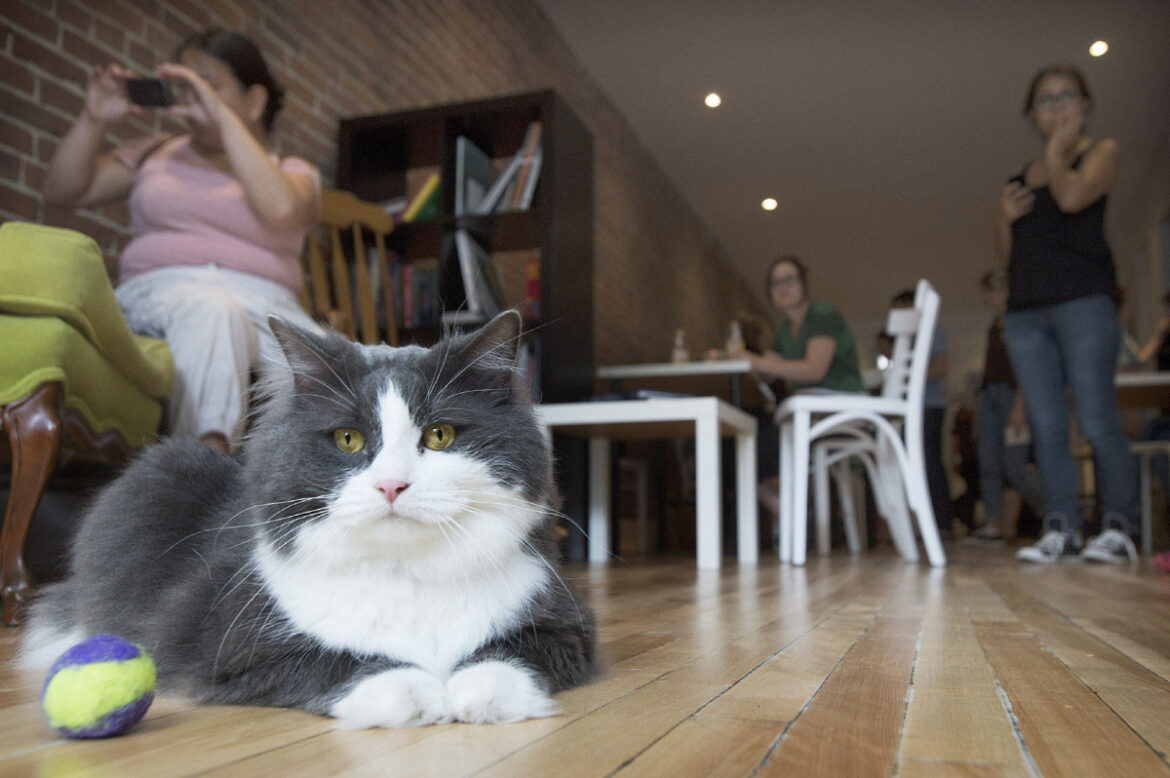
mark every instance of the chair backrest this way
{"type": "Point", "coordinates": [329, 294]}
{"type": "Point", "coordinates": [913, 331]}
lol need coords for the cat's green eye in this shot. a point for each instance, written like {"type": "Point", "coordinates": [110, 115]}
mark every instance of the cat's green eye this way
{"type": "Point", "coordinates": [438, 436]}
{"type": "Point", "coordinates": [349, 441]}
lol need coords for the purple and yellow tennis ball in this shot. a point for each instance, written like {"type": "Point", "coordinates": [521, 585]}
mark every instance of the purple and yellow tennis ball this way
{"type": "Point", "coordinates": [99, 688]}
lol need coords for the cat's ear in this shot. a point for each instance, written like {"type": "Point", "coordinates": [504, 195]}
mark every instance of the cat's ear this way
{"type": "Point", "coordinates": [493, 348]}
{"type": "Point", "coordinates": [497, 340]}
{"type": "Point", "coordinates": [305, 352]}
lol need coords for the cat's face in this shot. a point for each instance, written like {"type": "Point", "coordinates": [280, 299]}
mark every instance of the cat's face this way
{"type": "Point", "coordinates": [377, 453]}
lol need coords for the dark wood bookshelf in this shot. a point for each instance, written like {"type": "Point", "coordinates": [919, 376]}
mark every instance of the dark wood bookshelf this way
{"type": "Point", "coordinates": [380, 156]}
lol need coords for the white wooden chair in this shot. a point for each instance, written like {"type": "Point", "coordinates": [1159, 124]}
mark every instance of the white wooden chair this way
{"type": "Point", "coordinates": [886, 431]}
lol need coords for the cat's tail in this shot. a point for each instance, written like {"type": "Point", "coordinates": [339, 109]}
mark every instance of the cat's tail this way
{"type": "Point", "coordinates": [51, 629]}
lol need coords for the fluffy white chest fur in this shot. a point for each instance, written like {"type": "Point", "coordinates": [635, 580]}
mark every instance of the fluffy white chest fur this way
{"type": "Point", "coordinates": [380, 608]}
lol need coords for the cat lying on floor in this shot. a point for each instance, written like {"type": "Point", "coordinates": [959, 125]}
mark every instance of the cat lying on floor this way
{"type": "Point", "coordinates": [383, 552]}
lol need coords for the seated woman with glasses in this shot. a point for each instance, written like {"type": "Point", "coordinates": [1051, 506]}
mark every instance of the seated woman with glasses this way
{"type": "Point", "coordinates": [813, 348]}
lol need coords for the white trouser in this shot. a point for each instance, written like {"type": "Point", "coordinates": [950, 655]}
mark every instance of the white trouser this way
{"type": "Point", "coordinates": [215, 322]}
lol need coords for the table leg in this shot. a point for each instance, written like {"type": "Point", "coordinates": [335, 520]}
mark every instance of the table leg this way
{"type": "Point", "coordinates": [708, 526]}
{"type": "Point", "coordinates": [598, 499]}
{"type": "Point", "coordinates": [746, 510]}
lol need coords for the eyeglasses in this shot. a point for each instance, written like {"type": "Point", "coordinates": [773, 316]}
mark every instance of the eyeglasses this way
{"type": "Point", "coordinates": [784, 280]}
{"type": "Point", "coordinates": [1065, 98]}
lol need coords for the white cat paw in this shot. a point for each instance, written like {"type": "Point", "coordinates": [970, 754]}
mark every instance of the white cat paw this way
{"type": "Point", "coordinates": [497, 692]}
{"type": "Point", "coordinates": [406, 697]}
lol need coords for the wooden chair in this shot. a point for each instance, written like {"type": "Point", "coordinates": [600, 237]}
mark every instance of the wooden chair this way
{"type": "Point", "coordinates": [329, 294]}
{"type": "Point", "coordinates": [74, 381]}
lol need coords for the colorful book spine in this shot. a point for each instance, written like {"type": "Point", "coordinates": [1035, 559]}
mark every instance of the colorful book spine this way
{"type": "Point", "coordinates": [532, 288]}
{"type": "Point", "coordinates": [425, 204]}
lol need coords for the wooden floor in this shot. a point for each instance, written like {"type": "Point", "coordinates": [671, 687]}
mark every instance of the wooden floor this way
{"type": "Point", "coordinates": [849, 666]}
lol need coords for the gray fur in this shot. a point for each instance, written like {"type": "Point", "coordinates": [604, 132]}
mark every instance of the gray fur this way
{"type": "Point", "coordinates": [164, 557]}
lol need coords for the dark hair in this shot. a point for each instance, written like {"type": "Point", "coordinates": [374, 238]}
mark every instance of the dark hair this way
{"type": "Point", "coordinates": [246, 62]}
{"type": "Point", "coordinates": [1069, 71]}
{"type": "Point", "coordinates": [793, 260]}
{"type": "Point", "coordinates": [903, 299]}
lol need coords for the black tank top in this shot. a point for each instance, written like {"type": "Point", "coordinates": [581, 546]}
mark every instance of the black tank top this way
{"type": "Point", "coordinates": [1057, 256]}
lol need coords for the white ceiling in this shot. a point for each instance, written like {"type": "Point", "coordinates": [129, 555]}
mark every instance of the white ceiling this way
{"type": "Point", "coordinates": [885, 129]}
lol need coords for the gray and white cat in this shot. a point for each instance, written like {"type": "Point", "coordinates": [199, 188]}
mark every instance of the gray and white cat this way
{"type": "Point", "coordinates": [383, 553]}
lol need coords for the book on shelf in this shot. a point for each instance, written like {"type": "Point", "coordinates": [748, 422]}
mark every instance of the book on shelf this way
{"type": "Point", "coordinates": [414, 289]}
{"type": "Point", "coordinates": [497, 195]}
{"type": "Point", "coordinates": [481, 287]}
{"type": "Point", "coordinates": [474, 176]}
{"type": "Point", "coordinates": [531, 307]}
{"type": "Point", "coordinates": [508, 192]}
{"type": "Point", "coordinates": [529, 192]}
{"type": "Point", "coordinates": [425, 204]}
{"type": "Point", "coordinates": [395, 207]}
{"type": "Point", "coordinates": [528, 367]}
{"type": "Point", "coordinates": [529, 170]}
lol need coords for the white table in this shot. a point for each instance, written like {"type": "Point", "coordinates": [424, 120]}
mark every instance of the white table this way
{"type": "Point", "coordinates": [1145, 389]}
{"type": "Point", "coordinates": [707, 419]}
{"type": "Point", "coordinates": [733, 369]}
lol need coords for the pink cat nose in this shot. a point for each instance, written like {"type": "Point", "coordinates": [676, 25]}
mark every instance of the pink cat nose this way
{"type": "Point", "coordinates": [392, 488]}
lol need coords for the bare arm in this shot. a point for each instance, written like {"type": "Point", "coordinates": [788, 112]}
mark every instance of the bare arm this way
{"type": "Point", "coordinates": [78, 175]}
{"type": "Point", "coordinates": [278, 198]}
{"type": "Point", "coordinates": [1075, 190]}
{"type": "Point", "coordinates": [1155, 342]}
{"type": "Point", "coordinates": [811, 369]}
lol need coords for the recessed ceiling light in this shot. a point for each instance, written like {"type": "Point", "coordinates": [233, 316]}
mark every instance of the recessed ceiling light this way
{"type": "Point", "coordinates": [769, 204]}
{"type": "Point", "coordinates": [713, 100]}
{"type": "Point", "coordinates": [1098, 48]}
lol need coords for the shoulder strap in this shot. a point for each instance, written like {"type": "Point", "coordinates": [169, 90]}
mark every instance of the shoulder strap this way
{"type": "Point", "coordinates": [161, 141]}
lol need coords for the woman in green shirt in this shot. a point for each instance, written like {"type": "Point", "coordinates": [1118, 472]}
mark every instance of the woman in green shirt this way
{"type": "Point", "coordinates": [814, 348]}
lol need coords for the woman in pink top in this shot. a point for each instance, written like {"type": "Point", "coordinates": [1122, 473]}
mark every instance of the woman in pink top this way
{"type": "Point", "coordinates": [218, 220]}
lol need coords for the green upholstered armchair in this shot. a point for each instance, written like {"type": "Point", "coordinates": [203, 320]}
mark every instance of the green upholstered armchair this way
{"type": "Point", "coordinates": [74, 380]}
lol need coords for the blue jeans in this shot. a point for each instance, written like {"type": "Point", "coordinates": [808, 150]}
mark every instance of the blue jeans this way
{"type": "Point", "coordinates": [1000, 464]}
{"type": "Point", "coordinates": [1074, 344]}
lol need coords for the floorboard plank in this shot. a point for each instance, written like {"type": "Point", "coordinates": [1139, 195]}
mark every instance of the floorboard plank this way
{"type": "Point", "coordinates": [955, 714]}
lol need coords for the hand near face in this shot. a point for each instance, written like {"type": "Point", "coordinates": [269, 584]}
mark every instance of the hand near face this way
{"type": "Point", "coordinates": [195, 99]}
{"type": "Point", "coordinates": [1015, 201]}
{"type": "Point", "coordinates": [1066, 132]}
{"type": "Point", "coordinates": [105, 94]}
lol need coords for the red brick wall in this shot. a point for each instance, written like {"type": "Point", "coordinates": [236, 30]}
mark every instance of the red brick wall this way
{"type": "Point", "coordinates": [657, 268]}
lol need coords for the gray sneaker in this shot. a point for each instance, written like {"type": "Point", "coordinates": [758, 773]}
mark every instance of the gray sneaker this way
{"type": "Point", "coordinates": [1054, 546]}
{"type": "Point", "coordinates": [1112, 546]}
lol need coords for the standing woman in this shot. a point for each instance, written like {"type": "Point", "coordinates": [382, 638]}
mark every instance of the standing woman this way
{"type": "Point", "coordinates": [1061, 323]}
{"type": "Point", "coordinates": [218, 220]}
{"type": "Point", "coordinates": [813, 347]}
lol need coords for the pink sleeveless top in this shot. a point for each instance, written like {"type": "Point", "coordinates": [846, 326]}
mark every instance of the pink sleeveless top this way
{"type": "Point", "coordinates": [185, 212]}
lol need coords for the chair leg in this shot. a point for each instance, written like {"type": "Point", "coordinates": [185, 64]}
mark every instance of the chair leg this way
{"type": "Point", "coordinates": [33, 425]}
{"type": "Point", "coordinates": [843, 478]}
{"type": "Point", "coordinates": [919, 496]}
{"type": "Point", "coordinates": [800, 445]}
{"type": "Point", "coordinates": [785, 528]}
{"type": "Point", "coordinates": [898, 518]}
{"type": "Point", "coordinates": [821, 498]}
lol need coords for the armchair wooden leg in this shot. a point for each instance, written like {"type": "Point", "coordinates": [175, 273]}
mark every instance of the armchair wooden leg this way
{"type": "Point", "coordinates": [33, 425]}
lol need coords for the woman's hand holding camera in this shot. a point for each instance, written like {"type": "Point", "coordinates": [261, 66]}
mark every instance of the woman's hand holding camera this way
{"type": "Point", "coordinates": [106, 100]}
